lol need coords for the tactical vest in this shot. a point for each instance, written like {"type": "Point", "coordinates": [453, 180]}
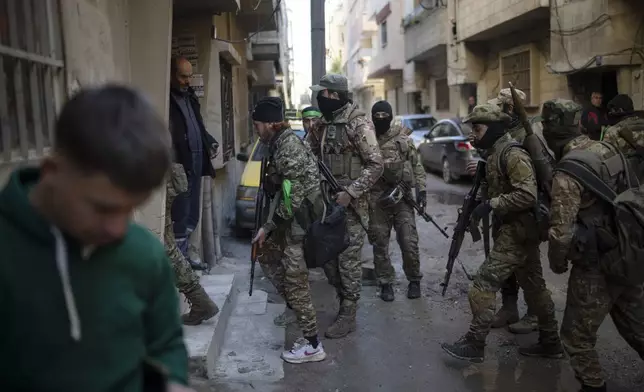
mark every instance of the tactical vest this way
{"type": "Point", "coordinates": [400, 169]}
{"type": "Point", "coordinates": [338, 152]}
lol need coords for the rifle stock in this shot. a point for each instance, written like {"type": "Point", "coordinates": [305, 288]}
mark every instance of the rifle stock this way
{"type": "Point", "coordinates": [259, 221]}
{"type": "Point", "coordinates": [464, 224]}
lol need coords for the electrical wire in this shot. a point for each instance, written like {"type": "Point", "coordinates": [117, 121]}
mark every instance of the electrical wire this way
{"type": "Point", "coordinates": [437, 3]}
{"type": "Point", "coordinates": [259, 29]}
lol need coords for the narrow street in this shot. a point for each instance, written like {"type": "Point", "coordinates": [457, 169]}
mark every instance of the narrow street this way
{"type": "Point", "coordinates": [396, 346]}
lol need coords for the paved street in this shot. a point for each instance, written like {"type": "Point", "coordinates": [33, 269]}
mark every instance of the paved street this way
{"type": "Point", "coordinates": [396, 346]}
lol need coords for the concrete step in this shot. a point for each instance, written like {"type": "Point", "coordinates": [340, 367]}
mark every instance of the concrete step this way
{"type": "Point", "coordinates": [204, 341]}
{"type": "Point", "coordinates": [253, 344]}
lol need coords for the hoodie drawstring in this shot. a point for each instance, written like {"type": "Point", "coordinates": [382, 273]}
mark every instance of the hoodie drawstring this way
{"type": "Point", "coordinates": [62, 262]}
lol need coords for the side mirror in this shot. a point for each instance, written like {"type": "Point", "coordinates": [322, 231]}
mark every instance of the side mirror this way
{"type": "Point", "coordinates": [428, 136]}
{"type": "Point", "coordinates": [242, 157]}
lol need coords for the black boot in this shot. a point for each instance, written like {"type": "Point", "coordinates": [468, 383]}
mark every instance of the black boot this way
{"type": "Point", "coordinates": [413, 290]}
{"type": "Point", "coordinates": [387, 292]}
{"type": "Point", "coordinates": [586, 388]}
{"type": "Point", "coordinates": [552, 351]}
{"type": "Point", "coordinates": [467, 349]}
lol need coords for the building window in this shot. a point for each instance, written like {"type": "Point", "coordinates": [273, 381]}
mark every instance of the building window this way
{"type": "Point", "coordinates": [227, 112]}
{"type": "Point", "coordinates": [442, 95]}
{"type": "Point", "coordinates": [31, 77]}
{"type": "Point", "coordinates": [383, 34]}
{"type": "Point", "coordinates": [515, 68]}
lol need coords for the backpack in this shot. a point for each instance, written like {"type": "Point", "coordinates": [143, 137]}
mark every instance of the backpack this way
{"type": "Point", "coordinates": [619, 242]}
{"type": "Point", "coordinates": [542, 206]}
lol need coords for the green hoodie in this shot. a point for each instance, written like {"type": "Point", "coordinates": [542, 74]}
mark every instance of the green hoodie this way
{"type": "Point", "coordinates": [73, 321]}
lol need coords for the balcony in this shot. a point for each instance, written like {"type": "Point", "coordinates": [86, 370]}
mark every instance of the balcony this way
{"type": "Point", "coordinates": [265, 46]}
{"type": "Point", "coordinates": [480, 20]}
{"type": "Point", "coordinates": [266, 73]}
{"type": "Point", "coordinates": [369, 27]}
{"type": "Point", "coordinates": [191, 7]}
{"type": "Point", "coordinates": [425, 33]}
{"type": "Point", "coordinates": [262, 18]}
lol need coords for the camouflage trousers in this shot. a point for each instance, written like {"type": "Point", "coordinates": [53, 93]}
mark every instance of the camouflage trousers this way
{"type": "Point", "coordinates": [185, 277]}
{"type": "Point", "coordinates": [590, 299]}
{"type": "Point", "coordinates": [401, 218]}
{"type": "Point", "coordinates": [345, 273]}
{"type": "Point", "coordinates": [511, 256]}
{"type": "Point", "coordinates": [282, 261]}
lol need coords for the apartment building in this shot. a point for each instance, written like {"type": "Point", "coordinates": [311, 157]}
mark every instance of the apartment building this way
{"type": "Point", "coordinates": [79, 43]}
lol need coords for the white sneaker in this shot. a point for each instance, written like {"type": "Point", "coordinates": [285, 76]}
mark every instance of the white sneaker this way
{"type": "Point", "coordinates": [303, 352]}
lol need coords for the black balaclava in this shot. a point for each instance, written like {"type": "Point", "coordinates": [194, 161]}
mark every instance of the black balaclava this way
{"type": "Point", "coordinates": [328, 106]}
{"type": "Point", "coordinates": [495, 130]}
{"type": "Point", "coordinates": [382, 125]}
{"type": "Point", "coordinates": [269, 110]}
{"type": "Point", "coordinates": [557, 136]}
{"type": "Point", "coordinates": [620, 108]}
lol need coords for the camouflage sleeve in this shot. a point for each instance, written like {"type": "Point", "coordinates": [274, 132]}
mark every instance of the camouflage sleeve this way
{"type": "Point", "coordinates": [295, 163]}
{"type": "Point", "coordinates": [566, 199]}
{"type": "Point", "coordinates": [417, 166]}
{"type": "Point", "coordinates": [363, 137]}
{"type": "Point", "coordinates": [523, 195]}
{"type": "Point", "coordinates": [613, 137]}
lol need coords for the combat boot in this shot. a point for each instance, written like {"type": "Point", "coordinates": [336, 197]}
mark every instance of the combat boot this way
{"type": "Point", "coordinates": [202, 307]}
{"type": "Point", "coordinates": [508, 314]}
{"type": "Point", "coordinates": [586, 388]}
{"type": "Point", "coordinates": [387, 292]}
{"type": "Point", "coordinates": [466, 348]}
{"type": "Point", "coordinates": [285, 318]}
{"type": "Point", "coordinates": [527, 324]}
{"type": "Point", "coordinates": [550, 350]}
{"type": "Point", "coordinates": [345, 323]}
{"type": "Point", "coordinates": [413, 290]}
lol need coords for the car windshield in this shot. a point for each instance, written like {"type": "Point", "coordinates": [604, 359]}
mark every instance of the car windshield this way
{"type": "Point", "coordinates": [420, 123]}
{"type": "Point", "coordinates": [260, 151]}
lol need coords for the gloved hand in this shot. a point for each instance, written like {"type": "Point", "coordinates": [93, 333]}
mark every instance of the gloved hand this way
{"type": "Point", "coordinates": [421, 198]}
{"type": "Point", "coordinates": [481, 210]}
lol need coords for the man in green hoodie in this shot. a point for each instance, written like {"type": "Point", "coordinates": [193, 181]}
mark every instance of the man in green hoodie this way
{"type": "Point", "coordinates": [88, 296]}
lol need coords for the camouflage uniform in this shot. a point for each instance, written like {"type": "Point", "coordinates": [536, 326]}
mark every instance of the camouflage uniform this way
{"type": "Point", "coordinates": [347, 144]}
{"type": "Point", "coordinates": [401, 158]}
{"type": "Point", "coordinates": [591, 297]}
{"type": "Point", "coordinates": [282, 255]}
{"type": "Point", "coordinates": [187, 280]}
{"type": "Point", "coordinates": [202, 307]}
{"type": "Point", "coordinates": [512, 197]}
{"type": "Point", "coordinates": [636, 127]}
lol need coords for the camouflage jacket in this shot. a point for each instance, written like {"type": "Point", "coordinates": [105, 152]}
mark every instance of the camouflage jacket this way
{"type": "Point", "coordinates": [291, 160]}
{"type": "Point", "coordinates": [401, 159]}
{"type": "Point", "coordinates": [568, 197]}
{"type": "Point", "coordinates": [349, 139]}
{"type": "Point", "coordinates": [635, 125]}
{"type": "Point", "coordinates": [176, 184]}
{"type": "Point", "coordinates": [516, 189]}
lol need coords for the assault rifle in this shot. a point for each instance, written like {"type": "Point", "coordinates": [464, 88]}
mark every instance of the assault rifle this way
{"type": "Point", "coordinates": [464, 224]}
{"type": "Point", "coordinates": [260, 204]}
{"type": "Point", "coordinates": [409, 199]}
{"type": "Point", "coordinates": [334, 187]}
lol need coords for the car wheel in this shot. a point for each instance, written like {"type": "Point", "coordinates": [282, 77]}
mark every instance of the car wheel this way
{"type": "Point", "coordinates": [447, 172]}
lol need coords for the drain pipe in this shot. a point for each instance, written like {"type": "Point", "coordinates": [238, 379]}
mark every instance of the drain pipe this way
{"type": "Point", "coordinates": [207, 233]}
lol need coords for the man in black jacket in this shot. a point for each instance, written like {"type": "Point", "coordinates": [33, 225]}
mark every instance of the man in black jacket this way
{"type": "Point", "coordinates": [594, 118]}
{"type": "Point", "coordinates": [194, 148]}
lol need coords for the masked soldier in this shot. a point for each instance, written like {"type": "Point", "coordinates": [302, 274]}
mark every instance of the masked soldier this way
{"type": "Point", "coordinates": [627, 132]}
{"type": "Point", "coordinates": [293, 183]}
{"type": "Point", "coordinates": [512, 198]}
{"type": "Point", "coordinates": [387, 210]}
{"type": "Point", "coordinates": [509, 312]}
{"type": "Point", "coordinates": [346, 142]}
{"type": "Point", "coordinates": [574, 210]}
{"type": "Point", "coordinates": [201, 306]}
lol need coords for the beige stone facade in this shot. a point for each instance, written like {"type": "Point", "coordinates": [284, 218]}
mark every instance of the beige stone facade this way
{"type": "Point", "coordinates": [131, 41]}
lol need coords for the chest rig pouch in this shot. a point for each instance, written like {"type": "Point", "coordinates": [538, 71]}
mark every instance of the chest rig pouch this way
{"type": "Point", "coordinates": [338, 151]}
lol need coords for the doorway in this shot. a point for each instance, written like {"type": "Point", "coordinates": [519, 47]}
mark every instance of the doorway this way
{"type": "Point", "coordinates": [584, 83]}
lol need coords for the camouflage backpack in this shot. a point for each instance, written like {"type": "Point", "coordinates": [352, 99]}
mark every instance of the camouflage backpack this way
{"type": "Point", "coordinates": [615, 238]}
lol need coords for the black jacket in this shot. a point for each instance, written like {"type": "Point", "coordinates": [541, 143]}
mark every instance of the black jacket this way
{"type": "Point", "coordinates": [592, 121]}
{"type": "Point", "coordinates": [178, 130]}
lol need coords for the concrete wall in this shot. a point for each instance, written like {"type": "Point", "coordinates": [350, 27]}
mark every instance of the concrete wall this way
{"type": "Point", "coordinates": [124, 41]}
{"type": "Point", "coordinates": [476, 16]}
